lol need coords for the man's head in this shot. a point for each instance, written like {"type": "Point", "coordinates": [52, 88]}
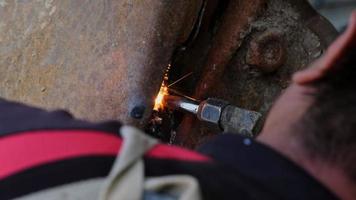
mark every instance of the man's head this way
{"type": "Point", "coordinates": [317, 113]}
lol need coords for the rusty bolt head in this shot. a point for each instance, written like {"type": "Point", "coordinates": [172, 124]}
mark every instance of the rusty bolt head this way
{"type": "Point", "coordinates": [267, 51]}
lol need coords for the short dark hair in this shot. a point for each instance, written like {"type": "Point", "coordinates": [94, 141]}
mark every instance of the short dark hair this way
{"type": "Point", "coordinates": [329, 126]}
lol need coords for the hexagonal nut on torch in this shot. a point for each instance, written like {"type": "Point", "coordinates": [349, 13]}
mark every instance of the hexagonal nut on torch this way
{"type": "Point", "coordinates": [211, 110]}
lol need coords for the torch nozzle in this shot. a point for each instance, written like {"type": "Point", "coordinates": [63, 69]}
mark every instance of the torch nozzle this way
{"type": "Point", "coordinates": [229, 118]}
{"type": "Point", "coordinates": [181, 103]}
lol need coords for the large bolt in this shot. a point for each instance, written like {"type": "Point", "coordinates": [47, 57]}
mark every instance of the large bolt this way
{"type": "Point", "coordinates": [267, 51]}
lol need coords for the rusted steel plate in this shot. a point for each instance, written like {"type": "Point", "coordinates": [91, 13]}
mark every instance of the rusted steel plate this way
{"type": "Point", "coordinates": [99, 59]}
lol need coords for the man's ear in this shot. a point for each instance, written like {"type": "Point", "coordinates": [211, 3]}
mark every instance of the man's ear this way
{"type": "Point", "coordinates": [335, 52]}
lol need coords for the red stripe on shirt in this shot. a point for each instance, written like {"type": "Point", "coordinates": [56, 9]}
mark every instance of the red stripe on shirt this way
{"type": "Point", "coordinates": [30, 149]}
{"type": "Point", "coordinates": [173, 152]}
{"type": "Point", "coordinates": [22, 151]}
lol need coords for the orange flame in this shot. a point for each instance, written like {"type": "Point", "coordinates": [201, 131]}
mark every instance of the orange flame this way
{"type": "Point", "coordinates": [159, 104]}
{"type": "Point", "coordinates": [159, 101]}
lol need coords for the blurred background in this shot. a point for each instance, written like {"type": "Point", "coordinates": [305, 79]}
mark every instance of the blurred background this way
{"type": "Point", "coordinates": [337, 11]}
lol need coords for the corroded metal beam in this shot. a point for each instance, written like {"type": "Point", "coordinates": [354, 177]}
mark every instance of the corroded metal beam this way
{"type": "Point", "coordinates": [235, 26]}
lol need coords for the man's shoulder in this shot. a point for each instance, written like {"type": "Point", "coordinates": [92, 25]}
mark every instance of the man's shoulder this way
{"type": "Point", "coordinates": [264, 167]}
{"type": "Point", "coordinates": [17, 117]}
{"type": "Point", "coordinates": [54, 149]}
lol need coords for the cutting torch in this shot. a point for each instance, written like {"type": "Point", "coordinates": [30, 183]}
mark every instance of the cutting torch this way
{"type": "Point", "coordinates": [227, 117]}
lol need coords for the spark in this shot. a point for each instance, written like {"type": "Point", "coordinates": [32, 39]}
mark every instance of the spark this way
{"type": "Point", "coordinates": [163, 91]}
{"type": "Point", "coordinates": [159, 104]}
{"type": "Point", "coordinates": [165, 88]}
{"type": "Point", "coordinates": [179, 80]}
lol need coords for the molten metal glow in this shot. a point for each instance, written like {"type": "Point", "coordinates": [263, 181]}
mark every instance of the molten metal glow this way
{"type": "Point", "coordinates": [159, 101]}
{"type": "Point", "coordinates": [159, 104]}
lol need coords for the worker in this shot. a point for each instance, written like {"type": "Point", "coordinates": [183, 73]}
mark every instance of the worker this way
{"type": "Point", "coordinates": [307, 149]}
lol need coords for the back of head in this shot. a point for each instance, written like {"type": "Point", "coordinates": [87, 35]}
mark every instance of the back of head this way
{"type": "Point", "coordinates": [328, 128]}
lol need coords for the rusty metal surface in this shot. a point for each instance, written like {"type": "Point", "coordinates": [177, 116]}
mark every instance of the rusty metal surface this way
{"type": "Point", "coordinates": [235, 24]}
{"type": "Point", "coordinates": [255, 83]}
{"type": "Point", "coordinates": [99, 59]}
{"type": "Point", "coordinates": [248, 86]}
{"type": "Point", "coordinates": [106, 59]}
